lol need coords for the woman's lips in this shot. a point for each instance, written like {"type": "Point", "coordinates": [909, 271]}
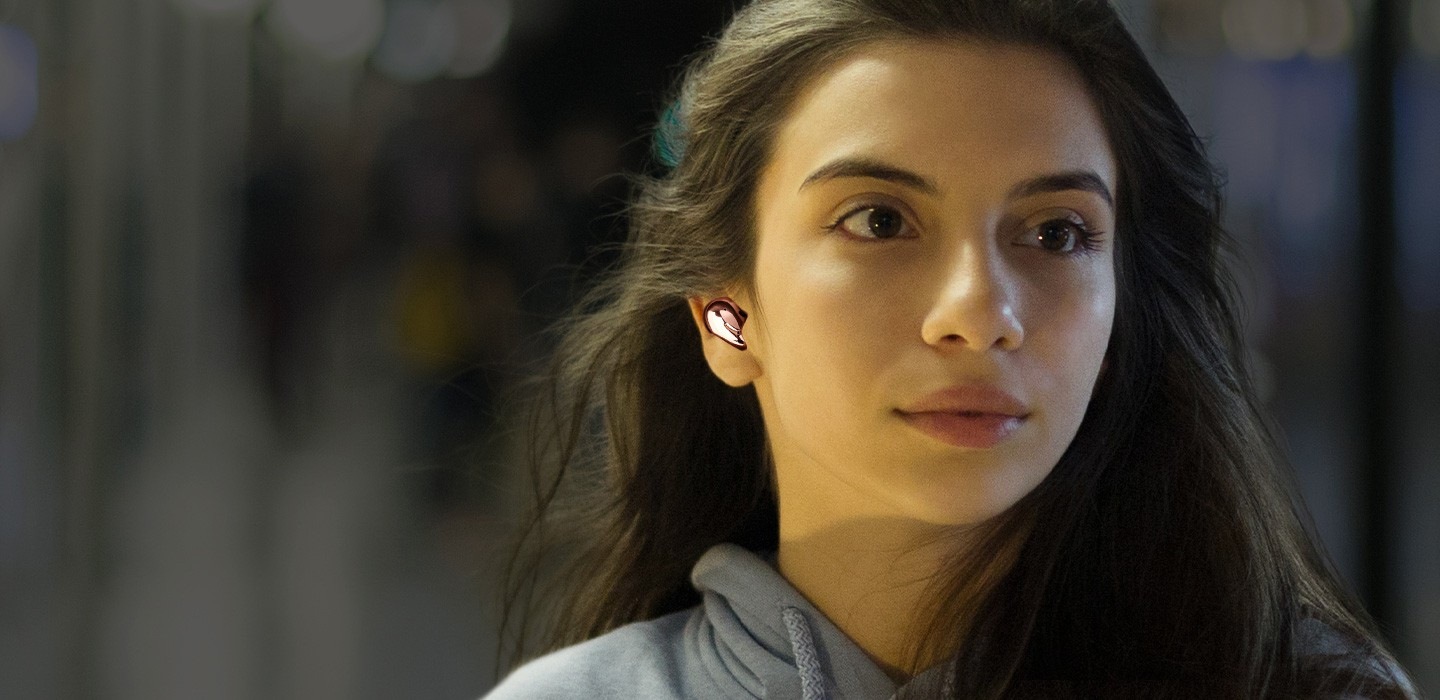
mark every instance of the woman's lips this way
{"type": "Point", "coordinates": [974, 430]}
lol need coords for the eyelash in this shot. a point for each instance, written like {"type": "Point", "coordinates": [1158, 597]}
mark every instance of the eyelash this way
{"type": "Point", "coordinates": [1087, 244]}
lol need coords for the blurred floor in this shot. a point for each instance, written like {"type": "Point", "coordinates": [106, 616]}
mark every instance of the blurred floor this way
{"type": "Point", "coordinates": [243, 568]}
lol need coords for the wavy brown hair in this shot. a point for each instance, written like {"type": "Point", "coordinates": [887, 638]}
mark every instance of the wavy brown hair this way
{"type": "Point", "coordinates": [1169, 543]}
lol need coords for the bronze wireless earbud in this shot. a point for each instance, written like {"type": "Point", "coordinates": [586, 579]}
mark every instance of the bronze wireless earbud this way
{"type": "Point", "coordinates": [724, 318]}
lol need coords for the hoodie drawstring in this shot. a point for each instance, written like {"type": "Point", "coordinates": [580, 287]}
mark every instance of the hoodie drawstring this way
{"type": "Point", "coordinates": [812, 678]}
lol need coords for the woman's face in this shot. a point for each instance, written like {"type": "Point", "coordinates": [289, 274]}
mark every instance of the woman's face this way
{"type": "Point", "coordinates": [921, 225]}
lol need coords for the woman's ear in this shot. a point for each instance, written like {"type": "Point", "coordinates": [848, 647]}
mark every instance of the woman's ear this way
{"type": "Point", "coordinates": [730, 364]}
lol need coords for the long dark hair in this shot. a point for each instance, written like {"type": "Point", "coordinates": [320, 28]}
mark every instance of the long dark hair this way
{"type": "Point", "coordinates": [1169, 542]}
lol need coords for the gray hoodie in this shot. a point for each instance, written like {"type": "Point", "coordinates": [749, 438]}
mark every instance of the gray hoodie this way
{"type": "Point", "coordinates": [753, 636]}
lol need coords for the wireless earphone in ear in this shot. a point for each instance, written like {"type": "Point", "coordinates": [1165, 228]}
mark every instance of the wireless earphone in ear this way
{"type": "Point", "coordinates": [724, 318]}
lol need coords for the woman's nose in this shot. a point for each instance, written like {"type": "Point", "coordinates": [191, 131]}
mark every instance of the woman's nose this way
{"type": "Point", "coordinates": [975, 305]}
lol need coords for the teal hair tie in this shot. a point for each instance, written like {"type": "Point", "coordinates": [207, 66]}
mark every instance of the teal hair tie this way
{"type": "Point", "coordinates": [669, 144]}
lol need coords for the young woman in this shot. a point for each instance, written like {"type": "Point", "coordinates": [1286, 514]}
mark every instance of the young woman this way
{"type": "Point", "coordinates": [920, 374]}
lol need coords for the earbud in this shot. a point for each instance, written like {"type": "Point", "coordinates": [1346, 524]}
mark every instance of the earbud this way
{"type": "Point", "coordinates": [724, 318]}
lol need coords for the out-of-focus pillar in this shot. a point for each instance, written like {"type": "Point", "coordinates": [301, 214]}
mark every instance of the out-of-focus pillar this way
{"type": "Point", "coordinates": [175, 441]}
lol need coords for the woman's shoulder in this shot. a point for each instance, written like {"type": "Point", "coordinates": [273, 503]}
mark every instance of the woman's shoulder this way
{"type": "Point", "coordinates": [638, 660]}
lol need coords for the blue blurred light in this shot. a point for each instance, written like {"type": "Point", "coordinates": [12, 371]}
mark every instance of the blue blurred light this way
{"type": "Point", "coordinates": [19, 82]}
{"type": "Point", "coordinates": [419, 40]}
{"type": "Point", "coordinates": [1282, 129]}
{"type": "Point", "coordinates": [1417, 171]}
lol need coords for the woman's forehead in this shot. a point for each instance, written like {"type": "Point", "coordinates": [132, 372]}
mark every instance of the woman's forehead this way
{"type": "Point", "coordinates": [949, 109]}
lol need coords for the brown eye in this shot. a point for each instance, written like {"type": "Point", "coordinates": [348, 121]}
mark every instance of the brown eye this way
{"type": "Point", "coordinates": [874, 222]}
{"type": "Point", "coordinates": [1064, 238]}
{"type": "Point", "coordinates": [1058, 236]}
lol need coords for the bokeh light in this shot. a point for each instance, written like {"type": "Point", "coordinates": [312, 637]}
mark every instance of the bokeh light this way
{"type": "Point", "coordinates": [237, 9]}
{"type": "Point", "coordinates": [482, 27]}
{"type": "Point", "coordinates": [19, 82]}
{"type": "Point", "coordinates": [1271, 30]}
{"type": "Point", "coordinates": [419, 40]}
{"type": "Point", "coordinates": [336, 30]}
{"type": "Point", "coordinates": [1332, 28]}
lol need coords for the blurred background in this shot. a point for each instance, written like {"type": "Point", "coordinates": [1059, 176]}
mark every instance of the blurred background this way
{"type": "Point", "coordinates": [265, 266]}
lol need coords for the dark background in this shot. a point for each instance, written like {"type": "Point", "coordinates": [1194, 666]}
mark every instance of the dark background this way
{"type": "Point", "coordinates": [265, 266]}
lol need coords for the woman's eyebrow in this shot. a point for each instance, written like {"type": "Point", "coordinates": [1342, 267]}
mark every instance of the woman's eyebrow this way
{"type": "Point", "coordinates": [867, 167]}
{"type": "Point", "coordinates": [1083, 180]}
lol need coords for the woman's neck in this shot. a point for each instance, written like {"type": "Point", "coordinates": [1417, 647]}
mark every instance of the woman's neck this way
{"type": "Point", "coordinates": [867, 577]}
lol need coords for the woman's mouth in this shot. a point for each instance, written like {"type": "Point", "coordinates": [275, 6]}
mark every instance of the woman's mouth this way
{"type": "Point", "coordinates": [965, 429]}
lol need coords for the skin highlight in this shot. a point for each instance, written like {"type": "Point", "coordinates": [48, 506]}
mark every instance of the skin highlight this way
{"type": "Point", "coordinates": [969, 284]}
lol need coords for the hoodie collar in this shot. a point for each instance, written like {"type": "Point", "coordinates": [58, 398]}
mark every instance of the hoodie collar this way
{"type": "Point", "coordinates": [772, 641]}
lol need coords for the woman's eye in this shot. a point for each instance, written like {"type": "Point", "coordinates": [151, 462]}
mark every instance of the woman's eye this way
{"type": "Point", "coordinates": [1063, 236]}
{"type": "Point", "coordinates": [873, 221]}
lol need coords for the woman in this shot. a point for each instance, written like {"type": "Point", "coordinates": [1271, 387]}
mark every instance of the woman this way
{"type": "Point", "coordinates": [920, 374]}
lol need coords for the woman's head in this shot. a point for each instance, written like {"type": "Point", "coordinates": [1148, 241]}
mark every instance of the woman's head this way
{"type": "Point", "coordinates": [1154, 519]}
{"type": "Point", "coordinates": [985, 95]}
{"type": "Point", "coordinates": [931, 213]}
